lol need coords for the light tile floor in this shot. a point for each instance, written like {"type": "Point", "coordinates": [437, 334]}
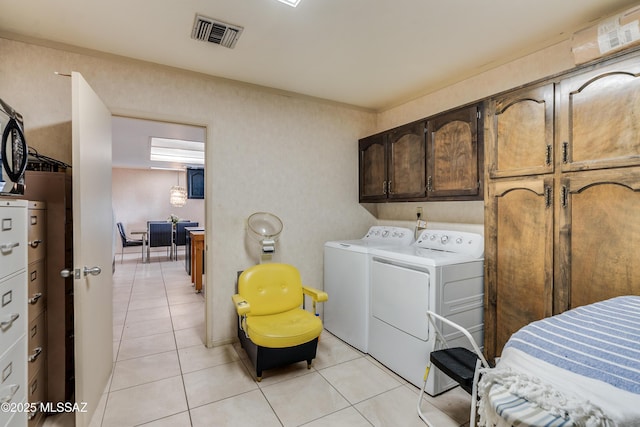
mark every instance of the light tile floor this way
{"type": "Point", "coordinates": [164, 376]}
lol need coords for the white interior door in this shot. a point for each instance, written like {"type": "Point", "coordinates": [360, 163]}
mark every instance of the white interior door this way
{"type": "Point", "coordinates": [92, 245]}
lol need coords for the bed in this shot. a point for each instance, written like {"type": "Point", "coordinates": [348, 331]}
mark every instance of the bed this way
{"type": "Point", "coordinates": [578, 368]}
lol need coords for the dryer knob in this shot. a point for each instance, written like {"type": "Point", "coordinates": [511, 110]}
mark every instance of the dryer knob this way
{"type": "Point", "coordinates": [459, 240]}
{"type": "Point", "coordinates": [444, 239]}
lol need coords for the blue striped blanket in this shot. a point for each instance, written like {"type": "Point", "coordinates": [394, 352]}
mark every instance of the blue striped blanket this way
{"type": "Point", "coordinates": [599, 341]}
{"type": "Point", "coordinates": [579, 368]}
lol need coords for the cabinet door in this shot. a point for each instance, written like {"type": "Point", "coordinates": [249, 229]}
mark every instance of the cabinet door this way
{"type": "Point", "coordinates": [518, 257]}
{"type": "Point", "coordinates": [452, 165]}
{"type": "Point", "coordinates": [599, 116]}
{"type": "Point", "coordinates": [520, 133]}
{"type": "Point", "coordinates": [599, 237]}
{"type": "Point", "coordinates": [407, 162]}
{"type": "Point", "coordinates": [373, 168]}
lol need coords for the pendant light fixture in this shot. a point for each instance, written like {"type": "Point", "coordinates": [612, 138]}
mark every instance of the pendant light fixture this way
{"type": "Point", "coordinates": [178, 195]}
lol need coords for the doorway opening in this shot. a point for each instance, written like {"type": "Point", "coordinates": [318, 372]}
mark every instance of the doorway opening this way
{"type": "Point", "coordinates": [150, 160]}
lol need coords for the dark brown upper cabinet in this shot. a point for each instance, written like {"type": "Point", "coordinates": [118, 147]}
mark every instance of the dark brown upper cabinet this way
{"type": "Point", "coordinates": [440, 158]}
{"type": "Point", "coordinates": [455, 155]}
{"type": "Point", "coordinates": [393, 164]}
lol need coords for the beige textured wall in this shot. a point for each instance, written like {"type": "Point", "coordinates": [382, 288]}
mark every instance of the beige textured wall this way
{"type": "Point", "coordinates": [134, 203]}
{"type": "Point", "coordinates": [266, 151]}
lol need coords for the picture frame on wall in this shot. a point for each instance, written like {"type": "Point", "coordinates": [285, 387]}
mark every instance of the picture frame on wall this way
{"type": "Point", "coordinates": [195, 183]}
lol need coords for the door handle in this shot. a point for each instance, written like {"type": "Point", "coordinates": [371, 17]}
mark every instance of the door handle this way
{"type": "Point", "coordinates": [34, 244]}
{"type": "Point", "coordinates": [67, 272]}
{"type": "Point", "coordinates": [92, 271]}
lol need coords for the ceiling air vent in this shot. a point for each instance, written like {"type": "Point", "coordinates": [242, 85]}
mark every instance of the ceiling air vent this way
{"type": "Point", "coordinates": [214, 31]}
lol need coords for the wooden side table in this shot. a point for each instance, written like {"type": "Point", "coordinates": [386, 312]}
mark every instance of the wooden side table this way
{"type": "Point", "coordinates": [197, 251]}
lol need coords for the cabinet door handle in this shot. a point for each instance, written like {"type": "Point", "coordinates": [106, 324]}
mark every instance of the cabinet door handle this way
{"type": "Point", "coordinates": [430, 183]}
{"type": "Point", "coordinates": [547, 196]}
{"type": "Point", "coordinates": [548, 155]}
{"type": "Point", "coordinates": [7, 398]}
{"type": "Point", "coordinates": [8, 247]}
{"type": "Point", "coordinates": [34, 299]}
{"type": "Point", "coordinates": [384, 187]}
{"type": "Point", "coordinates": [34, 244]}
{"type": "Point", "coordinates": [6, 324]}
{"type": "Point", "coordinates": [389, 187]}
{"type": "Point", "coordinates": [36, 353]}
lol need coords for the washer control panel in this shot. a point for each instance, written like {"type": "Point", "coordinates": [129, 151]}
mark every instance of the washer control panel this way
{"type": "Point", "coordinates": [452, 241]}
{"type": "Point", "coordinates": [380, 233]}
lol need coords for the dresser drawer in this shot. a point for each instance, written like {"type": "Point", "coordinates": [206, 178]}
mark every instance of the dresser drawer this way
{"type": "Point", "coordinates": [36, 296]}
{"type": "Point", "coordinates": [36, 222]}
{"type": "Point", "coordinates": [13, 377]}
{"type": "Point", "coordinates": [37, 387]}
{"type": "Point", "coordinates": [13, 310]}
{"type": "Point", "coordinates": [36, 345]}
{"type": "Point", "coordinates": [13, 237]}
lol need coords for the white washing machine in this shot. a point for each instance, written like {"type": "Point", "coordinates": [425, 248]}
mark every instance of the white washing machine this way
{"type": "Point", "coordinates": [441, 271]}
{"type": "Point", "coordinates": [346, 280]}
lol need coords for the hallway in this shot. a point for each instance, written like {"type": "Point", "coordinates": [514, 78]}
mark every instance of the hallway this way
{"type": "Point", "coordinates": [164, 375]}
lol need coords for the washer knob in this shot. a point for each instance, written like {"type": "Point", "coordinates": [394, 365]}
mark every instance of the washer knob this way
{"type": "Point", "coordinates": [444, 239]}
{"type": "Point", "coordinates": [459, 240]}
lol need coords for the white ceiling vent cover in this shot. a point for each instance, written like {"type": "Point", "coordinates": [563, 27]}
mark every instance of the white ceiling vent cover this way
{"type": "Point", "coordinates": [214, 31]}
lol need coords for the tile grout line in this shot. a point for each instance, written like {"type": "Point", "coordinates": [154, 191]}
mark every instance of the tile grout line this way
{"type": "Point", "coordinates": [175, 340]}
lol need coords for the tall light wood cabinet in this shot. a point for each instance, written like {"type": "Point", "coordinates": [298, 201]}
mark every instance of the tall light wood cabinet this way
{"type": "Point", "coordinates": [563, 172]}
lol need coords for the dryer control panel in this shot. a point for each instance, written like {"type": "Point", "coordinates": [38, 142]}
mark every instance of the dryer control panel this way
{"type": "Point", "coordinates": [396, 235]}
{"type": "Point", "coordinates": [452, 241]}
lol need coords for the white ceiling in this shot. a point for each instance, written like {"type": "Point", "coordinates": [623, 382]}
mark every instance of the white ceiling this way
{"type": "Point", "coordinates": [368, 53]}
{"type": "Point", "coordinates": [131, 140]}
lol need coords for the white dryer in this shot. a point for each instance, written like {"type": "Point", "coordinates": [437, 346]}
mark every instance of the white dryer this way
{"type": "Point", "coordinates": [346, 280]}
{"type": "Point", "coordinates": [442, 271]}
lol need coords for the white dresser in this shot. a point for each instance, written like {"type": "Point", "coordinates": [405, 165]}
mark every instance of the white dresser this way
{"type": "Point", "coordinates": [13, 312]}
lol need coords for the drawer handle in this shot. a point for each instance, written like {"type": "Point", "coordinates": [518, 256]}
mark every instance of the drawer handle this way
{"type": "Point", "coordinates": [8, 247]}
{"type": "Point", "coordinates": [36, 352]}
{"type": "Point", "coordinates": [34, 412]}
{"type": "Point", "coordinates": [34, 299]}
{"type": "Point", "coordinates": [34, 244]}
{"type": "Point", "coordinates": [6, 324]}
{"type": "Point", "coordinates": [14, 389]}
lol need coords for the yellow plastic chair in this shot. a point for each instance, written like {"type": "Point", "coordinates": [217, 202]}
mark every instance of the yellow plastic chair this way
{"type": "Point", "coordinates": [273, 327]}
